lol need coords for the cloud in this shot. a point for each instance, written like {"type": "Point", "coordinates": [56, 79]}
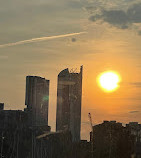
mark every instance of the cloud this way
{"type": "Point", "coordinates": [39, 39]}
{"type": "Point", "coordinates": [48, 18]}
{"type": "Point", "coordinates": [73, 39]}
{"type": "Point", "coordinates": [128, 98]}
{"type": "Point", "coordinates": [135, 84]}
{"type": "Point", "coordinates": [120, 18]}
{"type": "Point", "coordinates": [132, 112]}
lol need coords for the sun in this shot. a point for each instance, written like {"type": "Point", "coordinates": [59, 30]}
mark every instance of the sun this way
{"type": "Point", "coordinates": [109, 81]}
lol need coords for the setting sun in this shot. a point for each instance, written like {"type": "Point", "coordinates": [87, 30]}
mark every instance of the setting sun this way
{"type": "Point", "coordinates": [109, 81]}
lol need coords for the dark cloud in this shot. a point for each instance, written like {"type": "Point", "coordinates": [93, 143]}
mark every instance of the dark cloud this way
{"type": "Point", "coordinates": [117, 18]}
{"type": "Point", "coordinates": [136, 84]}
{"type": "Point", "coordinates": [132, 112]}
{"type": "Point", "coordinates": [73, 39]}
{"type": "Point", "coordinates": [120, 18]}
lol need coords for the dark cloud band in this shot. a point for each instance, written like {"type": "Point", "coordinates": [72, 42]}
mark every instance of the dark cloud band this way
{"type": "Point", "coordinates": [119, 18]}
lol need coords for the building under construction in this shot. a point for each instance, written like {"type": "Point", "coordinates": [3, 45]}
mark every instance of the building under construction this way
{"type": "Point", "coordinates": [37, 100]}
{"type": "Point", "coordinates": [69, 94]}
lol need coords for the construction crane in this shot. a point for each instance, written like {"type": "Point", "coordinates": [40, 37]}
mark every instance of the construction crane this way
{"type": "Point", "coordinates": [92, 135]}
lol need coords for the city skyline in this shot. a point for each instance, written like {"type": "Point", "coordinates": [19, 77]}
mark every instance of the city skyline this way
{"type": "Point", "coordinates": [111, 42]}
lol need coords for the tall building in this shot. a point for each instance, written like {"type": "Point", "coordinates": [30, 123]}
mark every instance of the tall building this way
{"type": "Point", "coordinates": [69, 94]}
{"type": "Point", "coordinates": [37, 100]}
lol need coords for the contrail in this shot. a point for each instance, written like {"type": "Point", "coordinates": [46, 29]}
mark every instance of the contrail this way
{"type": "Point", "coordinates": [39, 39]}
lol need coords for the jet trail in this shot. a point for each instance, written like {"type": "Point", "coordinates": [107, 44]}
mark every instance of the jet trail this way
{"type": "Point", "coordinates": [39, 39]}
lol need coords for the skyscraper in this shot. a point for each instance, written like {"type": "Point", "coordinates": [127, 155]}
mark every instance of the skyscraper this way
{"type": "Point", "coordinates": [69, 94]}
{"type": "Point", "coordinates": [37, 100]}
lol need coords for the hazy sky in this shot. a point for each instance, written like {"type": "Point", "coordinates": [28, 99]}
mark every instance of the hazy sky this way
{"type": "Point", "coordinates": [112, 42]}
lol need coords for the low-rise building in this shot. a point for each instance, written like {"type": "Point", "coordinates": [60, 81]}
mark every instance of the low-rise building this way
{"type": "Point", "coordinates": [111, 140]}
{"type": "Point", "coordinates": [53, 145]}
{"type": "Point", "coordinates": [135, 129]}
{"type": "Point", "coordinates": [15, 136]}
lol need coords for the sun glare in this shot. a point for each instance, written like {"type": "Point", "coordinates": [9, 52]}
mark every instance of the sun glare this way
{"type": "Point", "coordinates": [109, 81]}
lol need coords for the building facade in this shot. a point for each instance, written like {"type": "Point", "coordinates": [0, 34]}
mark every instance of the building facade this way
{"type": "Point", "coordinates": [14, 133]}
{"type": "Point", "coordinates": [53, 145]}
{"type": "Point", "coordinates": [135, 129]}
{"type": "Point", "coordinates": [37, 100]}
{"type": "Point", "coordinates": [69, 94]}
{"type": "Point", "coordinates": [112, 140]}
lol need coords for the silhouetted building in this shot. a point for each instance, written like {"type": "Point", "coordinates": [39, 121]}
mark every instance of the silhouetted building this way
{"type": "Point", "coordinates": [135, 129]}
{"type": "Point", "coordinates": [53, 145]}
{"type": "Point", "coordinates": [15, 136]}
{"type": "Point", "coordinates": [69, 93]}
{"type": "Point", "coordinates": [1, 106]}
{"type": "Point", "coordinates": [112, 140]}
{"type": "Point", "coordinates": [37, 100]}
{"type": "Point", "coordinates": [81, 149]}
{"type": "Point", "coordinates": [59, 145]}
{"type": "Point", "coordinates": [12, 119]}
